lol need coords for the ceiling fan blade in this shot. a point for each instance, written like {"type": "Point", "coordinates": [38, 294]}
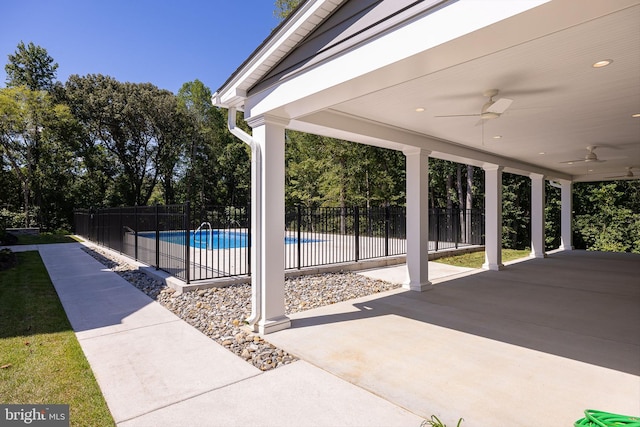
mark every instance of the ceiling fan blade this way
{"type": "Point", "coordinates": [500, 106]}
{"type": "Point", "coordinates": [459, 115]}
{"type": "Point", "coordinates": [573, 161]}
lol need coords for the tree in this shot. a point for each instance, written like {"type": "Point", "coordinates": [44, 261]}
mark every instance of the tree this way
{"type": "Point", "coordinates": [285, 7]}
{"type": "Point", "coordinates": [140, 128]}
{"type": "Point", "coordinates": [322, 171]}
{"type": "Point", "coordinates": [516, 211]}
{"type": "Point", "coordinates": [32, 67]}
{"type": "Point", "coordinates": [608, 216]}
{"type": "Point", "coordinates": [218, 164]}
{"type": "Point", "coordinates": [30, 125]}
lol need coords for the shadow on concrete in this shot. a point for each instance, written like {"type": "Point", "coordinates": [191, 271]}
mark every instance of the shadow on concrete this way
{"type": "Point", "coordinates": [580, 305]}
{"type": "Point", "coordinates": [93, 296]}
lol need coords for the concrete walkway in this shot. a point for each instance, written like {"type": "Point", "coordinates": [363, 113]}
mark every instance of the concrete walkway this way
{"type": "Point", "coordinates": [156, 370]}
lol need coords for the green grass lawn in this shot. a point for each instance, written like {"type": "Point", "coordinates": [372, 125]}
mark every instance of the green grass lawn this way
{"type": "Point", "coordinates": [41, 361]}
{"type": "Point", "coordinates": [476, 259]}
{"type": "Point", "coordinates": [46, 238]}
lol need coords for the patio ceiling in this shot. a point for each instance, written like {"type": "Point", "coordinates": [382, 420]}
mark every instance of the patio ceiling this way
{"type": "Point", "coordinates": [541, 59]}
{"type": "Point", "coordinates": [561, 104]}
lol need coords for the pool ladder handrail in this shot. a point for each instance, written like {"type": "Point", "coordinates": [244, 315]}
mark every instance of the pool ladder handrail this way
{"type": "Point", "coordinates": [209, 242]}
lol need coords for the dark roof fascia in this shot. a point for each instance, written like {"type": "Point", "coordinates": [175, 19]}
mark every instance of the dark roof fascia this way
{"type": "Point", "coordinates": [264, 43]}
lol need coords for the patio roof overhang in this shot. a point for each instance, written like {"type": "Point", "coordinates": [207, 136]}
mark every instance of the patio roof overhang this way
{"type": "Point", "coordinates": [381, 72]}
{"type": "Point", "coordinates": [440, 56]}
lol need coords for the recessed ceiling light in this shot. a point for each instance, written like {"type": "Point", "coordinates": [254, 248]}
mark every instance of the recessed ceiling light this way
{"type": "Point", "coordinates": [419, 110]}
{"type": "Point", "coordinates": [497, 137]}
{"type": "Point", "coordinates": [590, 170]}
{"type": "Point", "coordinates": [602, 63]}
{"type": "Point", "coordinates": [541, 153]}
{"type": "Point", "coordinates": [635, 115]}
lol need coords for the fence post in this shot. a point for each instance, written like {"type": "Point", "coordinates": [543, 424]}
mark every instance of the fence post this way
{"type": "Point", "coordinates": [459, 231]}
{"type": "Point", "coordinates": [157, 216]}
{"type": "Point", "coordinates": [100, 231]}
{"type": "Point", "coordinates": [299, 220]}
{"type": "Point", "coordinates": [356, 225]}
{"type": "Point", "coordinates": [387, 218]}
{"type": "Point", "coordinates": [135, 238]}
{"type": "Point", "coordinates": [187, 244]}
{"type": "Point", "coordinates": [437, 229]}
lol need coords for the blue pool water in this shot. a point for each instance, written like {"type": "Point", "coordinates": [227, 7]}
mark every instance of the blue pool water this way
{"type": "Point", "coordinates": [216, 239]}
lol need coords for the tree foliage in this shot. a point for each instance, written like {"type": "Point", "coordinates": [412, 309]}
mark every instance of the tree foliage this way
{"type": "Point", "coordinates": [285, 7]}
{"type": "Point", "coordinates": [36, 138]}
{"type": "Point", "coordinates": [139, 127]}
{"type": "Point", "coordinates": [32, 67]}
{"type": "Point", "coordinates": [608, 216]}
{"type": "Point", "coordinates": [218, 169]}
{"type": "Point", "coordinates": [322, 171]}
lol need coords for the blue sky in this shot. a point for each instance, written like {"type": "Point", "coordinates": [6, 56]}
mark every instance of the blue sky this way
{"type": "Point", "coordinates": [164, 42]}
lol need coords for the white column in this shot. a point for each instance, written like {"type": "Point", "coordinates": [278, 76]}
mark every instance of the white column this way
{"type": "Point", "coordinates": [537, 215]}
{"type": "Point", "coordinates": [268, 262]}
{"type": "Point", "coordinates": [566, 215]}
{"type": "Point", "coordinates": [493, 217]}
{"type": "Point", "coordinates": [417, 219]}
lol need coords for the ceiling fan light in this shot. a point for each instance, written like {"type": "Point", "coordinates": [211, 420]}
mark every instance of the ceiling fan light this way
{"type": "Point", "coordinates": [602, 63]}
{"type": "Point", "coordinates": [489, 115]}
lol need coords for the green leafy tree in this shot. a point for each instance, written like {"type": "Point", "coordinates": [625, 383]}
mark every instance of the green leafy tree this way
{"type": "Point", "coordinates": [516, 211]}
{"type": "Point", "coordinates": [32, 67]}
{"type": "Point", "coordinates": [32, 130]}
{"type": "Point", "coordinates": [552, 211]}
{"type": "Point", "coordinates": [607, 216]}
{"type": "Point", "coordinates": [140, 129]}
{"type": "Point", "coordinates": [323, 171]}
{"type": "Point", "coordinates": [285, 7]}
{"type": "Point", "coordinates": [217, 164]}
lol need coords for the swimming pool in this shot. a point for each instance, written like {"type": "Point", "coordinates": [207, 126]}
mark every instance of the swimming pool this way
{"type": "Point", "coordinates": [214, 239]}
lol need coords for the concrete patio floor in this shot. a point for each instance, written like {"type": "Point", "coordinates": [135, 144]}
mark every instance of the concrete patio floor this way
{"type": "Point", "coordinates": [535, 344]}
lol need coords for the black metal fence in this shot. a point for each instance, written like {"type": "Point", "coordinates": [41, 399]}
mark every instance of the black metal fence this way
{"type": "Point", "coordinates": [334, 235]}
{"type": "Point", "coordinates": [220, 237]}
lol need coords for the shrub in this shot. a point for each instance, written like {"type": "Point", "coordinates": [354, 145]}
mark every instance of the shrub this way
{"type": "Point", "coordinates": [8, 259]}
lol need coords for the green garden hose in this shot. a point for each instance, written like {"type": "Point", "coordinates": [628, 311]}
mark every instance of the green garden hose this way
{"type": "Point", "coordinates": [595, 418]}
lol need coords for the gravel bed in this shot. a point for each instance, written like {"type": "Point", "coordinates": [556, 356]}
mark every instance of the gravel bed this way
{"type": "Point", "coordinates": [220, 313]}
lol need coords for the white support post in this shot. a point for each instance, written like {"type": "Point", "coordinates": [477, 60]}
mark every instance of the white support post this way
{"type": "Point", "coordinates": [268, 133]}
{"type": "Point", "coordinates": [493, 217]}
{"type": "Point", "coordinates": [537, 216]}
{"type": "Point", "coordinates": [566, 215]}
{"type": "Point", "coordinates": [417, 168]}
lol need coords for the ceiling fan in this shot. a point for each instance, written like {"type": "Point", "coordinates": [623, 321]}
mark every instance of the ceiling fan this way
{"type": "Point", "coordinates": [491, 109]}
{"type": "Point", "coordinates": [590, 157]}
{"type": "Point", "coordinates": [628, 174]}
